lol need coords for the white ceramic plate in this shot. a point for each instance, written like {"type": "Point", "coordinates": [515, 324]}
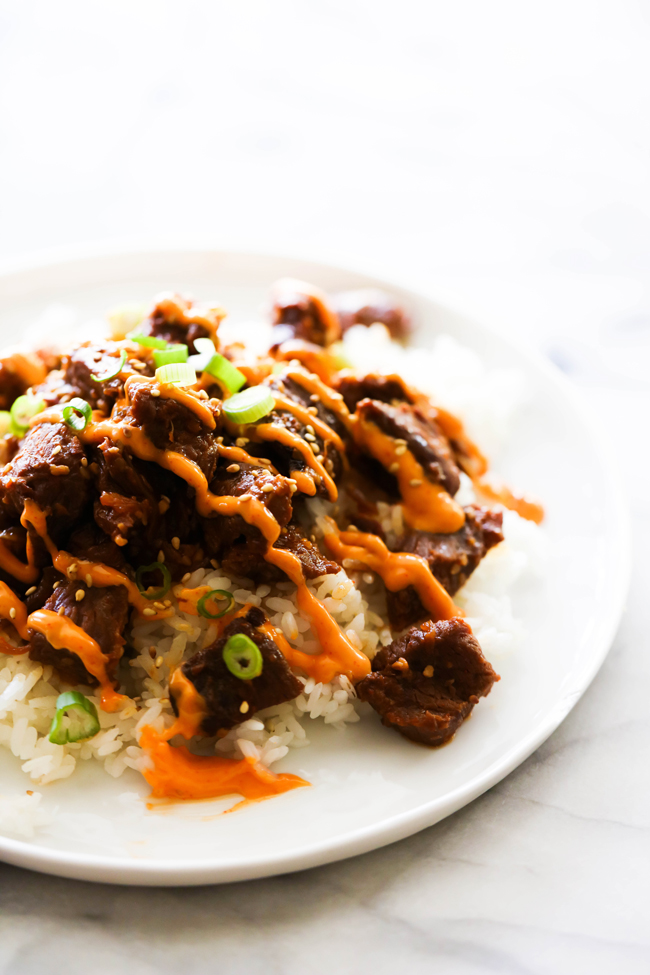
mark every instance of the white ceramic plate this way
{"type": "Point", "coordinates": [370, 786]}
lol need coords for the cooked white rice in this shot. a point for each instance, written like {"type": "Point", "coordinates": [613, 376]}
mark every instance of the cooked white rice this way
{"type": "Point", "coordinates": [485, 400]}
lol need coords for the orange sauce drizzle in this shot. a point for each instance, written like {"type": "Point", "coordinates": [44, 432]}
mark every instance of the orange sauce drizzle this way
{"type": "Point", "coordinates": [167, 391]}
{"type": "Point", "coordinates": [330, 399]}
{"type": "Point", "coordinates": [178, 774]}
{"type": "Point", "coordinates": [301, 413]}
{"type": "Point", "coordinates": [397, 569]}
{"type": "Point", "coordinates": [9, 601]}
{"type": "Point", "coordinates": [24, 573]}
{"type": "Point", "coordinates": [63, 634]}
{"type": "Point", "coordinates": [492, 491]}
{"type": "Point", "coordinates": [190, 704]}
{"type": "Point", "coordinates": [319, 361]}
{"type": "Point", "coordinates": [241, 456]}
{"type": "Point", "coordinates": [176, 309]}
{"type": "Point", "coordinates": [279, 434]}
{"type": "Point", "coordinates": [427, 506]}
{"type": "Point", "coordinates": [26, 365]}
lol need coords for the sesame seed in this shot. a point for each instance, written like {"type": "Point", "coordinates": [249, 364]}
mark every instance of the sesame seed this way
{"type": "Point", "coordinates": [186, 577]}
{"type": "Point", "coordinates": [58, 470]}
{"type": "Point", "coordinates": [294, 488]}
{"type": "Point", "coordinates": [155, 392]}
{"type": "Point", "coordinates": [202, 394]}
{"type": "Point", "coordinates": [89, 579]}
{"type": "Point", "coordinates": [244, 707]}
{"type": "Point", "coordinates": [394, 468]}
{"type": "Point", "coordinates": [219, 439]}
{"type": "Point", "coordinates": [12, 613]}
{"type": "Point", "coordinates": [312, 410]}
{"type": "Point", "coordinates": [315, 398]}
{"type": "Point", "coordinates": [57, 450]}
{"type": "Point", "coordinates": [233, 468]}
{"type": "Point", "coordinates": [158, 661]}
{"type": "Point", "coordinates": [163, 506]}
{"type": "Point", "coordinates": [428, 671]}
{"type": "Point", "coordinates": [62, 611]}
{"type": "Point", "coordinates": [176, 542]}
{"type": "Point", "coordinates": [352, 528]}
{"type": "Point", "coordinates": [415, 482]}
{"type": "Point", "coordinates": [310, 437]}
{"type": "Point", "coordinates": [55, 586]}
{"type": "Point", "coordinates": [158, 605]}
{"type": "Point", "coordinates": [400, 440]}
{"type": "Point", "coordinates": [79, 595]}
{"type": "Point", "coordinates": [242, 441]}
{"type": "Point", "coordinates": [214, 563]}
{"type": "Point", "coordinates": [30, 590]}
{"type": "Point", "coordinates": [84, 462]}
{"type": "Point", "coordinates": [161, 556]}
{"type": "Point", "coordinates": [314, 447]}
{"type": "Point", "coordinates": [148, 611]}
{"type": "Point", "coordinates": [368, 578]}
{"type": "Point", "coordinates": [72, 569]}
{"type": "Point", "coordinates": [168, 603]}
{"type": "Point", "coordinates": [309, 428]}
{"type": "Point", "coordinates": [399, 451]}
{"type": "Point", "coordinates": [267, 488]}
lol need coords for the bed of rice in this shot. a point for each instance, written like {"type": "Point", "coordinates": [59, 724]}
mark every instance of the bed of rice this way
{"type": "Point", "coordinates": [456, 378]}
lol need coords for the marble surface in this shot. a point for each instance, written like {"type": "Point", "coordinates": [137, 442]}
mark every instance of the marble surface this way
{"type": "Point", "coordinates": [498, 152]}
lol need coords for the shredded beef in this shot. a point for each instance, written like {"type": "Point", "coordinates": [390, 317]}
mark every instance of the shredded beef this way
{"type": "Point", "coordinates": [369, 305]}
{"type": "Point", "coordinates": [102, 614]}
{"type": "Point", "coordinates": [452, 558]}
{"type": "Point", "coordinates": [224, 693]}
{"type": "Point", "coordinates": [426, 683]}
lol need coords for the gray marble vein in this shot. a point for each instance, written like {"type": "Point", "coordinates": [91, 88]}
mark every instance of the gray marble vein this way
{"type": "Point", "coordinates": [499, 152]}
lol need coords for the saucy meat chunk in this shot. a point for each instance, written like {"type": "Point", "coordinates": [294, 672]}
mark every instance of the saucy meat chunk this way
{"type": "Point", "coordinates": [386, 389]}
{"type": "Point", "coordinates": [100, 360]}
{"type": "Point", "coordinates": [102, 613]}
{"type": "Point", "coordinates": [452, 558]}
{"type": "Point", "coordinates": [418, 433]}
{"type": "Point", "coordinates": [426, 683]}
{"type": "Point", "coordinates": [176, 320]}
{"type": "Point", "coordinates": [223, 693]}
{"type": "Point", "coordinates": [301, 311]}
{"type": "Point", "coordinates": [48, 469]}
{"type": "Point", "coordinates": [369, 305]}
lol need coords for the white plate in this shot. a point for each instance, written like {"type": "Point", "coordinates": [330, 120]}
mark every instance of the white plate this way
{"type": "Point", "coordinates": [370, 787]}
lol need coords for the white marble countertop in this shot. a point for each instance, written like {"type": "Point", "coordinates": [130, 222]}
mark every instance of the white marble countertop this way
{"type": "Point", "coordinates": [496, 151]}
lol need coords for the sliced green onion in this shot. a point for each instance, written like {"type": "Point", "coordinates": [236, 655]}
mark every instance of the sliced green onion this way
{"type": "Point", "coordinates": [111, 375]}
{"type": "Point", "coordinates": [173, 353]}
{"type": "Point", "coordinates": [224, 371]}
{"type": "Point", "coordinates": [149, 341]}
{"type": "Point", "coordinates": [75, 719]}
{"type": "Point", "coordinates": [205, 346]}
{"type": "Point", "coordinates": [176, 374]}
{"type": "Point", "coordinates": [251, 405]}
{"type": "Point", "coordinates": [215, 594]}
{"type": "Point", "coordinates": [22, 410]}
{"type": "Point", "coordinates": [77, 414]}
{"type": "Point", "coordinates": [5, 423]}
{"type": "Point", "coordinates": [206, 350]}
{"type": "Point", "coordinates": [242, 657]}
{"type": "Point", "coordinates": [166, 576]}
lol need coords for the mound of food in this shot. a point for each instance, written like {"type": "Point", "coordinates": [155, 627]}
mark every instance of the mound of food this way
{"type": "Point", "coordinates": [203, 542]}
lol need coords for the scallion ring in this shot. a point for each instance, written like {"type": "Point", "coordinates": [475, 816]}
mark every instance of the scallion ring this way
{"type": "Point", "coordinates": [250, 405]}
{"type": "Point", "coordinates": [176, 374]}
{"type": "Point", "coordinates": [242, 657]}
{"type": "Point", "coordinates": [77, 414]}
{"type": "Point", "coordinates": [75, 719]}
{"type": "Point", "coordinates": [22, 410]}
{"type": "Point", "coordinates": [173, 353]}
{"type": "Point", "coordinates": [203, 610]}
{"type": "Point", "coordinates": [148, 341]}
{"type": "Point", "coordinates": [111, 375]}
{"type": "Point", "coordinates": [5, 423]}
{"type": "Point", "coordinates": [224, 372]}
{"type": "Point", "coordinates": [165, 573]}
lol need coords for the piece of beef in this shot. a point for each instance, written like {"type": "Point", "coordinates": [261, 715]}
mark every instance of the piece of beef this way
{"type": "Point", "coordinates": [301, 311]}
{"type": "Point", "coordinates": [11, 385]}
{"type": "Point", "coordinates": [90, 543]}
{"type": "Point", "coordinates": [369, 305]}
{"type": "Point", "coordinates": [224, 694]}
{"type": "Point", "coordinates": [452, 558]}
{"type": "Point", "coordinates": [91, 359]}
{"type": "Point", "coordinates": [170, 425]}
{"type": "Point", "coordinates": [178, 322]}
{"type": "Point", "coordinates": [386, 389]}
{"type": "Point", "coordinates": [49, 580]}
{"type": "Point", "coordinates": [420, 434]}
{"type": "Point", "coordinates": [314, 563]}
{"type": "Point", "coordinates": [102, 613]}
{"type": "Point", "coordinates": [426, 683]}
{"type": "Point", "coordinates": [19, 369]}
{"type": "Point", "coordinates": [48, 469]}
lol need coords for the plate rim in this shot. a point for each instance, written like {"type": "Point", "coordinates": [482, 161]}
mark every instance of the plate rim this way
{"type": "Point", "coordinates": [127, 871]}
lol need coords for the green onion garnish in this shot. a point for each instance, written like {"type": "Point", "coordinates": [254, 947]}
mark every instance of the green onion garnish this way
{"type": "Point", "coordinates": [166, 576]}
{"type": "Point", "coordinates": [149, 341]}
{"type": "Point", "coordinates": [5, 423]}
{"type": "Point", "coordinates": [75, 719]}
{"type": "Point", "coordinates": [224, 371]}
{"type": "Point", "coordinates": [242, 657]}
{"type": "Point", "coordinates": [125, 318]}
{"type": "Point", "coordinates": [215, 594]}
{"type": "Point", "coordinates": [173, 353]}
{"type": "Point", "coordinates": [176, 374]}
{"type": "Point", "coordinates": [251, 405]}
{"type": "Point", "coordinates": [77, 414]}
{"type": "Point", "coordinates": [22, 410]}
{"type": "Point", "coordinates": [114, 373]}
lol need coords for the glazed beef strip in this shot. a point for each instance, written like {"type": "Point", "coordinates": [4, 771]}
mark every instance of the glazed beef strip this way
{"type": "Point", "coordinates": [452, 558]}
{"type": "Point", "coordinates": [426, 683]}
{"type": "Point", "coordinates": [223, 693]}
{"type": "Point", "coordinates": [369, 305]}
{"type": "Point", "coordinates": [166, 323]}
{"type": "Point", "coordinates": [102, 613]}
{"type": "Point", "coordinates": [386, 389]}
{"type": "Point", "coordinates": [297, 315]}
